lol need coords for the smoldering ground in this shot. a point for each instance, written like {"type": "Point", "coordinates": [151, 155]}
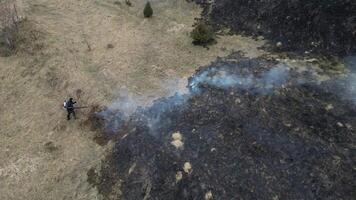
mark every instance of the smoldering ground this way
{"type": "Point", "coordinates": [273, 137]}
{"type": "Point", "coordinates": [347, 84]}
{"type": "Point", "coordinates": [128, 103]}
{"type": "Point", "coordinates": [274, 75]}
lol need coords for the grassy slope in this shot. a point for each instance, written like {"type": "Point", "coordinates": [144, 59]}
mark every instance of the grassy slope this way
{"type": "Point", "coordinates": [32, 87]}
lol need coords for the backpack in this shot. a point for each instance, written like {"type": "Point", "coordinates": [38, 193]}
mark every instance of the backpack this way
{"type": "Point", "coordinates": [65, 104]}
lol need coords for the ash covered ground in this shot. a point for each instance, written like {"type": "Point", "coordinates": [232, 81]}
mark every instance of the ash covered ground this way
{"type": "Point", "coordinates": [326, 27]}
{"type": "Point", "coordinates": [247, 129]}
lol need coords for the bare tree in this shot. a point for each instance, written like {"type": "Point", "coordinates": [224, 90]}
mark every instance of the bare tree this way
{"type": "Point", "coordinates": [8, 22]}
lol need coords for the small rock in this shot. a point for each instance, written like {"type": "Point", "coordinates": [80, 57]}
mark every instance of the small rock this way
{"type": "Point", "coordinates": [208, 195]}
{"type": "Point", "coordinates": [260, 37]}
{"type": "Point", "coordinates": [177, 136]}
{"type": "Point", "coordinates": [312, 60]}
{"type": "Point", "coordinates": [132, 168]}
{"type": "Point", "coordinates": [279, 44]}
{"type": "Point", "coordinates": [275, 198]}
{"type": "Point", "coordinates": [179, 176]}
{"type": "Point", "coordinates": [339, 124]}
{"type": "Point", "coordinates": [177, 140]}
{"type": "Point", "coordinates": [348, 126]}
{"type": "Point", "coordinates": [238, 100]}
{"type": "Point", "coordinates": [187, 167]}
{"type": "Point", "coordinates": [336, 157]}
{"type": "Point", "coordinates": [177, 144]}
{"type": "Point", "coordinates": [288, 124]}
{"type": "Point", "coordinates": [329, 107]}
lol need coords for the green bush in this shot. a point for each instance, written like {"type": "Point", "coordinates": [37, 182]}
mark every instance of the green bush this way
{"type": "Point", "coordinates": [202, 34]}
{"type": "Point", "coordinates": [148, 12]}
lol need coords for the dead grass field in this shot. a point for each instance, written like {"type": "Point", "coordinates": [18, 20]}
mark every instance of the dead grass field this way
{"type": "Point", "coordinates": [42, 155]}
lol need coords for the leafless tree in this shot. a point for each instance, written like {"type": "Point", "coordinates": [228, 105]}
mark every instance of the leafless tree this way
{"type": "Point", "coordinates": [8, 22]}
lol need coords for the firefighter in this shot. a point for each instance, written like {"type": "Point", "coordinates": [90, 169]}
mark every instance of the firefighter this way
{"type": "Point", "coordinates": [70, 108]}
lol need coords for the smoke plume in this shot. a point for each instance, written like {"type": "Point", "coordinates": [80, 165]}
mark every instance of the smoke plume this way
{"type": "Point", "coordinates": [221, 78]}
{"type": "Point", "coordinates": [178, 92]}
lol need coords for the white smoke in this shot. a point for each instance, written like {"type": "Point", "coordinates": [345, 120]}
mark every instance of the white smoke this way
{"type": "Point", "coordinates": [349, 82]}
{"type": "Point", "coordinates": [177, 92]}
{"type": "Point", "coordinates": [266, 82]}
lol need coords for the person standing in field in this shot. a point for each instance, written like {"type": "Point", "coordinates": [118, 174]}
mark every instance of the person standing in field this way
{"type": "Point", "coordinates": [69, 105]}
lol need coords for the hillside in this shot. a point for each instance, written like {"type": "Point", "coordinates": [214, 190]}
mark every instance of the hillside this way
{"type": "Point", "coordinates": [43, 156]}
{"type": "Point", "coordinates": [238, 118]}
{"type": "Point", "coordinates": [319, 27]}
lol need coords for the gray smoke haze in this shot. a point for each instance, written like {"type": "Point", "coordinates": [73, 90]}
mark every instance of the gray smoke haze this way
{"type": "Point", "coordinates": [128, 102]}
{"type": "Point", "coordinates": [178, 93]}
{"type": "Point", "coordinates": [348, 83]}
{"type": "Point", "coordinates": [266, 82]}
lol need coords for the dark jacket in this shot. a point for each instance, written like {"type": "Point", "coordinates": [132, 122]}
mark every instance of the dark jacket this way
{"type": "Point", "coordinates": [70, 105]}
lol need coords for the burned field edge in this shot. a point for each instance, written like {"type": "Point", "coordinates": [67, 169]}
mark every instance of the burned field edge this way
{"type": "Point", "coordinates": [323, 28]}
{"type": "Point", "coordinates": [292, 141]}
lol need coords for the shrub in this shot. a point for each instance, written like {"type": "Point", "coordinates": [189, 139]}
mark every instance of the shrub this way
{"type": "Point", "coordinates": [128, 3]}
{"type": "Point", "coordinates": [147, 11]}
{"type": "Point", "coordinates": [202, 34]}
{"type": "Point", "coordinates": [8, 26]}
{"type": "Point", "coordinates": [117, 3]}
{"type": "Point", "coordinates": [110, 46]}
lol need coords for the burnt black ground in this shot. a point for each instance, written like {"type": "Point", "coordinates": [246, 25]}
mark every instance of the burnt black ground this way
{"type": "Point", "coordinates": [327, 27]}
{"type": "Point", "coordinates": [242, 143]}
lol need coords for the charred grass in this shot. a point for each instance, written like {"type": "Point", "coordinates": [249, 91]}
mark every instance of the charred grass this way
{"type": "Point", "coordinates": [287, 143]}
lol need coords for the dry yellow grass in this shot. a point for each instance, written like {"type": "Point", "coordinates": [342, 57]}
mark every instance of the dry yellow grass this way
{"type": "Point", "coordinates": [75, 37]}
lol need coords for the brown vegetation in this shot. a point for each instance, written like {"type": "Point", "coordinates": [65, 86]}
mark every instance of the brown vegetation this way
{"type": "Point", "coordinates": [145, 54]}
{"type": "Point", "coordinates": [9, 20]}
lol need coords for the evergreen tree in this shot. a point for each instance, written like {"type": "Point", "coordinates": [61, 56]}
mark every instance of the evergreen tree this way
{"type": "Point", "coordinates": [202, 34]}
{"type": "Point", "coordinates": [148, 12]}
